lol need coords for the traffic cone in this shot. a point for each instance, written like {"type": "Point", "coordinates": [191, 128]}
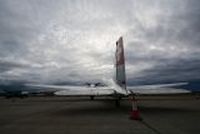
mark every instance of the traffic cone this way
{"type": "Point", "coordinates": [135, 113]}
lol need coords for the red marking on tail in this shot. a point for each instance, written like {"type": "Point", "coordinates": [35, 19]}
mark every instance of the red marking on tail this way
{"type": "Point", "coordinates": [119, 52]}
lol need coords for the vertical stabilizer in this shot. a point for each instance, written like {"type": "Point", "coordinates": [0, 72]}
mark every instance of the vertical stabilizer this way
{"type": "Point", "coordinates": [120, 64]}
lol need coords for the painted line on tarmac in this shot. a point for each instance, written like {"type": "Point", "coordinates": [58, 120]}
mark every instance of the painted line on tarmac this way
{"type": "Point", "coordinates": [150, 127]}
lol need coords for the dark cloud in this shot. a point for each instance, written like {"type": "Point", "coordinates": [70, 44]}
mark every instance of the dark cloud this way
{"type": "Point", "coordinates": [7, 65]}
{"type": "Point", "coordinates": [177, 70]}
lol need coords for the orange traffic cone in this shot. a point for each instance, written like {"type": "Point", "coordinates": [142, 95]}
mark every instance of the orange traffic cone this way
{"type": "Point", "coordinates": [135, 113]}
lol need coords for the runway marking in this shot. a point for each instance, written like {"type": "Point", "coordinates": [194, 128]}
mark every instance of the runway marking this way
{"type": "Point", "coordinates": [150, 127]}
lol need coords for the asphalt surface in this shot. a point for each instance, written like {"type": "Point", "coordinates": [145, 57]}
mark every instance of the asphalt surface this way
{"type": "Point", "coordinates": [61, 115]}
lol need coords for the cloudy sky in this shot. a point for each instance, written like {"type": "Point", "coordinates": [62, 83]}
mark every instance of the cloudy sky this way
{"type": "Point", "coordinates": [51, 41]}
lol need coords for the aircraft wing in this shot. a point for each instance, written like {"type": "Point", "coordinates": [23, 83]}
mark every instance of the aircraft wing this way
{"type": "Point", "coordinates": [160, 89]}
{"type": "Point", "coordinates": [85, 92]}
{"type": "Point", "coordinates": [76, 90]}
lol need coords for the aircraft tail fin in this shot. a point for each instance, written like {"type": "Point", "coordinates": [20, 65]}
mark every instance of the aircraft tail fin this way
{"type": "Point", "coordinates": [120, 64]}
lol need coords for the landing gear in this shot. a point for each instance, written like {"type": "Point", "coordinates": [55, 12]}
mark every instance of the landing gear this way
{"type": "Point", "coordinates": [91, 97]}
{"type": "Point", "coordinates": [117, 101]}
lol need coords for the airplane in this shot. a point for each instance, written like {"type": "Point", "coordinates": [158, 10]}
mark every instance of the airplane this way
{"type": "Point", "coordinates": [118, 88]}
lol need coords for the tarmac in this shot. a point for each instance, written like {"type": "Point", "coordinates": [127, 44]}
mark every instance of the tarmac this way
{"type": "Point", "coordinates": [67, 115]}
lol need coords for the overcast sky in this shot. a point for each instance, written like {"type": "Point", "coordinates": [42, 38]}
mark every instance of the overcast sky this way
{"type": "Point", "coordinates": [55, 41]}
